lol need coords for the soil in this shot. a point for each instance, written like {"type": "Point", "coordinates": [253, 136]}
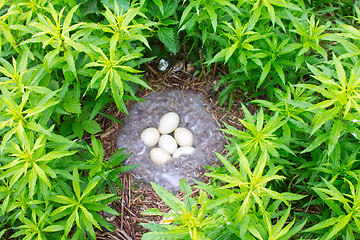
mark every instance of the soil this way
{"type": "Point", "coordinates": [136, 196]}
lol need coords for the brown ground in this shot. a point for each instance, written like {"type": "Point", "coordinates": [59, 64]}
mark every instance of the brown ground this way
{"type": "Point", "coordinates": [138, 197]}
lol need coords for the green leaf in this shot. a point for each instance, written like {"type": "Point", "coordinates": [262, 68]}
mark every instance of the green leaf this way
{"type": "Point", "coordinates": [90, 217]}
{"type": "Point", "coordinates": [260, 120]}
{"type": "Point", "coordinates": [54, 228]}
{"type": "Point", "coordinates": [230, 51]}
{"type": "Point", "coordinates": [333, 205]}
{"type": "Point", "coordinates": [65, 174]}
{"type": "Point", "coordinates": [39, 109]}
{"type": "Point", "coordinates": [185, 187]}
{"type": "Point", "coordinates": [316, 143]}
{"type": "Point", "coordinates": [275, 195]}
{"type": "Point", "coordinates": [271, 12]}
{"type": "Point", "coordinates": [4, 230]}
{"type": "Point", "coordinates": [290, 48]}
{"type": "Point", "coordinates": [117, 89]}
{"type": "Point", "coordinates": [342, 221]}
{"type": "Point", "coordinates": [186, 12]}
{"type": "Point", "coordinates": [97, 198]}
{"type": "Point", "coordinates": [152, 211]}
{"type": "Point", "coordinates": [324, 104]}
{"type": "Point", "coordinates": [219, 56]}
{"type": "Point", "coordinates": [280, 71]}
{"type": "Point", "coordinates": [264, 73]}
{"type": "Point", "coordinates": [299, 61]}
{"type": "Point", "coordinates": [234, 172]}
{"type": "Point", "coordinates": [340, 71]}
{"type": "Point", "coordinates": [298, 103]}
{"type": "Point", "coordinates": [254, 18]}
{"type": "Point", "coordinates": [78, 129]}
{"type": "Point", "coordinates": [91, 126]}
{"type": "Point", "coordinates": [280, 223]}
{"type": "Point", "coordinates": [334, 135]}
{"type": "Point", "coordinates": [42, 175]}
{"type": "Point", "coordinates": [179, 234]}
{"type": "Point", "coordinates": [325, 116]}
{"type": "Point", "coordinates": [4, 205]}
{"type": "Point", "coordinates": [122, 4]}
{"type": "Point", "coordinates": [71, 104]}
{"type": "Point", "coordinates": [321, 225]}
{"type": "Point", "coordinates": [40, 129]}
{"type": "Point", "coordinates": [76, 185]}
{"type": "Point", "coordinates": [55, 155]}
{"type": "Point", "coordinates": [91, 185]}
{"type": "Point", "coordinates": [114, 119]}
{"type": "Point", "coordinates": [70, 61]}
{"type": "Point", "coordinates": [213, 16]}
{"type": "Point", "coordinates": [103, 84]}
{"type": "Point", "coordinates": [172, 201]}
{"type": "Point", "coordinates": [160, 5]}
{"type": "Point", "coordinates": [293, 230]}
{"type": "Point", "coordinates": [258, 171]}
{"type": "Point", "coordinates": [292, 196]}
{"type": "Point", "coordinates": [168, 38]}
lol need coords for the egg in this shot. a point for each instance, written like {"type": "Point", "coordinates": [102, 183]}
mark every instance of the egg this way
{"type": "Point", "coordinates": [184, 137]}
{"type": "Point", "coordinates": [183, 151]}
{"type": "Point", "coordinates": [159, 156]}
{"type": "Point", "coordinates": [168, 143]}
{"type": "Point", "coordinates": [150, 136]}
{"type": "Point", "coordinates": [169, 122]}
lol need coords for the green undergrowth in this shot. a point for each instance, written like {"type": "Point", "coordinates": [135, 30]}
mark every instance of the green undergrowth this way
{"type": "Point", "coordinates": [291, 173]}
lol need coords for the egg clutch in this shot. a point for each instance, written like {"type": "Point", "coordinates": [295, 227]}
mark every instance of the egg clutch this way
{"type": "Point", "coordinates": [181, 143]}
{"type": "Point", "coordinates": [170, 136]}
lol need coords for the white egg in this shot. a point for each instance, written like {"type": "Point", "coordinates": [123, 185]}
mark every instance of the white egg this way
{"type": "Point", "coordinates": [150, 136]}
{"type": "Point", "coordinates": [183, 151]}
{"type": "Point", "coordinates": [159, 156]}
{"type": "Point", "coordinates": [168, 143]}
{"type": "Point", "coordinates": [169, 122]}
{"type": "Point", "coordinates": [184, 137]}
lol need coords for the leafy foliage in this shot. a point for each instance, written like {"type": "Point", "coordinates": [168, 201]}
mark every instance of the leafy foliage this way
{"type": "Point", "coordinates": [305, 68]}
{"type": "Point", "coordinates": [50, 62]}
{"type": "Point", "coordinates": [61, 63]}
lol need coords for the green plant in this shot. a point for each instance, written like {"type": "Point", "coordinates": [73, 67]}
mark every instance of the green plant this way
{"type": "Point", "coordinates": [194, 218]}
{"type": "Point", "coordinates": [24, 114]}
{"type": "Point", "coordinates": [260, 138]}
{"type": "Point", "coordinates": [341, 97]}
{"type": "Point", "coordinates": [241, 43]}
{"type": "Point", "coordinates": [56, 33]}
{"type": "Point", "coordinates": [164, 14]}
{"type": "Point", "coordinates": [116, 73]}
{"type": "Point", "coordinates": [57, 57]}
{"type": "Point", "coordinates": [200, 20]}
{"type": "Point", "coordinates": [311, 32]}
{"type": "Point", "coordinates": [266, 230]}
{"type": "Point", "coordinates": [210, 11]}
{"type": "Point", "coordinates": [47, 102]}
{"type": "Point", "coordinates": [270, 12]}
{"type": "Point", "coordinates": [108, 170]}
{"type": "Point", "coordinates": [232, 212]}
{"type": "Point", "coordinates": [343, 205]}
{"type": "Point", "coordinates": [80, 206]}
{"type": "Point", "coordinates": [39, 226]}
{"type": "Point", "coordinates": [309, 129]}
